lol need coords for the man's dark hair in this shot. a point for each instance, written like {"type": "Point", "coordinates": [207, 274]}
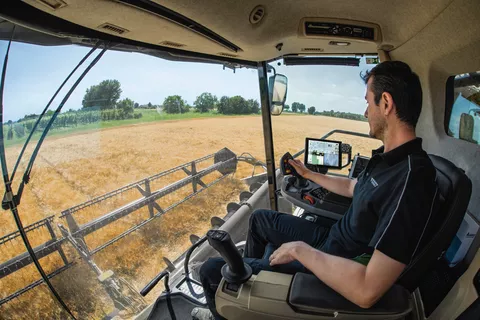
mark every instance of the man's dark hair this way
{"type": "Point", "coordinates": [396, 78]}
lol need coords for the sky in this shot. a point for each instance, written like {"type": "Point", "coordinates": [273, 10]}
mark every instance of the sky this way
{"type": "Point", "coordinates": [35, 72]}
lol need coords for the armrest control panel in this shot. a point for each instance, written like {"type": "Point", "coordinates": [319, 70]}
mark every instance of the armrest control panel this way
{"type": "Point", "coordinates": [271, 295]}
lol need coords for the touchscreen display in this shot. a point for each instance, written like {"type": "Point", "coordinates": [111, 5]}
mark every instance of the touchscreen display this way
{"type": "Point", "coordinates": [323, 153]}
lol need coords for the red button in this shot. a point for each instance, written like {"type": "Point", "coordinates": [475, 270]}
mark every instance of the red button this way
{"type": "Point", "coordinates": [309, 199]}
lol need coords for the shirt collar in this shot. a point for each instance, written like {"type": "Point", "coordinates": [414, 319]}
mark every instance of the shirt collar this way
{"type": "Point", "coordinates": [401, 152]}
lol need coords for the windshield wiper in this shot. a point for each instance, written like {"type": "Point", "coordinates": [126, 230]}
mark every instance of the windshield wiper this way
{"type": "Point", "coordinates": [46, 109]}
{"type": "Point", "coordinates": [28, 169]}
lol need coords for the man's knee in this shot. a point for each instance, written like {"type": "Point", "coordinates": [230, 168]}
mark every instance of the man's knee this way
{"type": "Point", "coordinates": [260, 216]}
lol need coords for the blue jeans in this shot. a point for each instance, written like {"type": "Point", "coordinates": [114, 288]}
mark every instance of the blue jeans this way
{"type": "Point", "coordinates": [268, 230]}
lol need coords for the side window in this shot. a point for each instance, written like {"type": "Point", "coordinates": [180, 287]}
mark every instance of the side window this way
{"type": "Point", "coordinates": [462, 118]}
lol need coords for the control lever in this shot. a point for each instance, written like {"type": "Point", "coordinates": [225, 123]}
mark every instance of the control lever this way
{"type": "Point", "coordinates": [235, 271]}
{"type": "Point", "coordinates": [288, 169]}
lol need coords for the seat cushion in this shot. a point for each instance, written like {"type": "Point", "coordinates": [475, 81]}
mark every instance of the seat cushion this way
{"type": "Point", "coordinates": [309, 294]}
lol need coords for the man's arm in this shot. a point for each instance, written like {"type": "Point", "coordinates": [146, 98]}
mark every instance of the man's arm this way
{"type": "Point", "coordinates": [362, 285]}
{"type": "Point", "coordinates": [339, 185]}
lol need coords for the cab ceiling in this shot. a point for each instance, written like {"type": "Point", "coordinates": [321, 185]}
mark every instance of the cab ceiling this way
{"type": "Point", "coordinates": [398, 21]}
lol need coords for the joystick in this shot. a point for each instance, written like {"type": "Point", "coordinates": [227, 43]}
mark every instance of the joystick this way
{"type": "Point", "coordinates": [235, 271]}
{"type": "Point", "coordinates": [288, 169]}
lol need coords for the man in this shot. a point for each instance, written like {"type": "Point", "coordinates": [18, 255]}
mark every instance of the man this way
{"type": "Point", "coordinates": [363, 254]}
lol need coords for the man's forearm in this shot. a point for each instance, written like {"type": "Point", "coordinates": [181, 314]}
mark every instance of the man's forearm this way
{"type": "Point", "coordinates": [345, 276]}
{"type": "Point", "coordinates": [339, 185]}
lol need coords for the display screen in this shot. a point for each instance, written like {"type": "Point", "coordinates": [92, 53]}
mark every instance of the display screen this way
{"type": "Point", "coordinates": [325, 153]}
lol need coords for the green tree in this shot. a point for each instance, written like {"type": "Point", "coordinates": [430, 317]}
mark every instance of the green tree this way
{"type": "Point", "coordinates": [311, 110]}
{"type": "Point", "coordinates": [150, 105]}
{"type": "Point", "coordinates": [174, 104]}
{"type": "Point", "coordinates": [239, 105]}
{"type": "Point", "coordinates": [223, 105]}
{"type": "Point", "coordinates": [295, 106]}
{"type": "Point", "coordinates": [125, 108]}
{"type": "Point", "coordinates": [286, 107]}
{"type": "Point", "coordinates": [302, 108]}
{"type": "Point", "coordinates": [104, 95]}
{"type": "Point", "coordinates": [253, 106]}
{"type": "Point", "coordinates": [205, 102]}
{"type": "Point", "coordinates": [136, 105]}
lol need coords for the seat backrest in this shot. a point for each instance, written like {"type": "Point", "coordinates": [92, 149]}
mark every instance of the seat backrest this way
{"type": "Point", "coordinates": [452, 197]}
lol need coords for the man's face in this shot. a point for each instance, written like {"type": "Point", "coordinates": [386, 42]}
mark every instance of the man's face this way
{"type": "Point", "coordinates": [373, 113]}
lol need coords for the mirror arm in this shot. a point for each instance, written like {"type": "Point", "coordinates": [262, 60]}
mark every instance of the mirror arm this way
{"type": "Point", "coordinates": [270, 68]}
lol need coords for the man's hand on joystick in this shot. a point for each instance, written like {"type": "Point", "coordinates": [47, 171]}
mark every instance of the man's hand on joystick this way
{"type": "Point", "coordinates": [299, 167]}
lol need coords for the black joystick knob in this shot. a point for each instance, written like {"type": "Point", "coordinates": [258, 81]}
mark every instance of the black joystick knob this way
{"type": "Point", "coordinates": [301, 182]}
{"type": "Point", "coordinates": [287, 169]}
{"type": "Point", "coordinates": [235, 271]}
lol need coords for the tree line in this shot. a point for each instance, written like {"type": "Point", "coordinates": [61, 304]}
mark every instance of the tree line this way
{"type": "Point", "coordinates": [102, 102]}
{"type": "Point", "coordinates": [106, 94]}
{"type": "Point", "coordinates": [300, 107]}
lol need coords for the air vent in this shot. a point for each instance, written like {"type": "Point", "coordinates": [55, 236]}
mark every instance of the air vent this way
{"type": "Point", "coordinates": [313, 49]}
{"type": "Point", "coordinates": [229, 55]}
{"type": "Point", "coordinates": [171, 44]}
{"type": "Point", "coordinates": [112, 28]}
{"type": "Point", "coordinates": [53, 4]}
{"type": "Point", "coordinates": [257, 14]}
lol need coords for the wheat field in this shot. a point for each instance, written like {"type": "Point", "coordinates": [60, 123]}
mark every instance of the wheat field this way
{"type": "Point", "coordinates": [75, 168]}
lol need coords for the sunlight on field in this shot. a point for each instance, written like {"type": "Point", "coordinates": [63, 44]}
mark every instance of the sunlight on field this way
{"type": "Point", "coordinates": [76, 168]}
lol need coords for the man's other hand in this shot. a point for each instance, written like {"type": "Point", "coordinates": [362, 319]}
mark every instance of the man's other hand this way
{"type": "Point", "coordinates": [299, 167]}
{"type": "Point", "coordinates": [286, 252]}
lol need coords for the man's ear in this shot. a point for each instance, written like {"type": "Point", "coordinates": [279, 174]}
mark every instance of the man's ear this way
{"type": "Point", "coordinates": [387, 104]}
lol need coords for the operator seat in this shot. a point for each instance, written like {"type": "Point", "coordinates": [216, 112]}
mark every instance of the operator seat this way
{"type": "Point", "coordinates": [271, 295]}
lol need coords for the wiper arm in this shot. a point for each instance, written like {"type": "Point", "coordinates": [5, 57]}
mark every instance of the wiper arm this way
{"type": "Point", "coordinates": [28, 169]}
{"type": "Point", "coordinates": [46, 109]}
{"type": "Point", "coordinates": [3, 159]}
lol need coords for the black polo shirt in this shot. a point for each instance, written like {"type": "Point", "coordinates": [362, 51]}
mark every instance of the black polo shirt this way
{"type": "Point", "coordinates": [392, 203]}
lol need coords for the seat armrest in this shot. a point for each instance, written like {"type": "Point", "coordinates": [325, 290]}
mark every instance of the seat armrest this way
{"type": "Point", "coordinates": [309, 294]}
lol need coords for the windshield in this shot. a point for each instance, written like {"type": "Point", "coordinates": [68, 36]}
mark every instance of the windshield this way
{"type": "Point", "coordinates": [143, 154]}
{"type": "Point", "coordinates": [322, 98]}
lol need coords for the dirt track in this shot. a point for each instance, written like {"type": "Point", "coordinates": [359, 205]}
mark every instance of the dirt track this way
{"type": "Point", "coordinates": [75, 168]}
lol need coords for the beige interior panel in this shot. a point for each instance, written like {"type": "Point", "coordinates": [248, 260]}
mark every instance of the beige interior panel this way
{"type": "Point", "coordinates": [461, 296]}
{"type": "Point", "coordinates": [140, 25]}
{"type": "Point", "coordinates": [230, 19]}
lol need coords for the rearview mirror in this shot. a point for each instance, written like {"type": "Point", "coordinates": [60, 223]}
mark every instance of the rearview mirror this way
{"type": "Point", "coordinates": [277, 88]}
